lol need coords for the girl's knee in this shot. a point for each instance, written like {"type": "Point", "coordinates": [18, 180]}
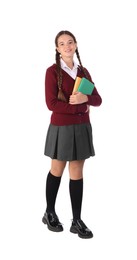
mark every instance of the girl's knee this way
{"type": "Point", "coordinates": [57, 167]}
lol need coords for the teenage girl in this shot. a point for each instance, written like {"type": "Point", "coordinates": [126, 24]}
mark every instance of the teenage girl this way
{"type": "Point", "coordinates": [69, 136]}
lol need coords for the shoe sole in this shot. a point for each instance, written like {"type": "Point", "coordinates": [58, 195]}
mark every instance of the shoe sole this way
{"type": "Point", "coordinates": [75, 231]}
{"type": "Point", "coordinates": [50, 227]}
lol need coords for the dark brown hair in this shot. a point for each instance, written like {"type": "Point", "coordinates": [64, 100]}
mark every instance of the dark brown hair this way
{"type": "Point", "coordinates": [59, 71]}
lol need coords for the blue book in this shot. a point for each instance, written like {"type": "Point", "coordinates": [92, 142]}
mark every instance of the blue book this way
{"type": "Point", "coordinates": [86, 87]}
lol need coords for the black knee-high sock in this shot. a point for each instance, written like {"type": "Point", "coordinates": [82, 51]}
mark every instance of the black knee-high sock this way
{"type": "Point", "coordinates": [52, 186]}
{"type": "Point", "coordinates": [76, 194]}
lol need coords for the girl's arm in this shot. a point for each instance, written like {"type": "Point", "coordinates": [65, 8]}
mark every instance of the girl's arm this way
{"type": "Point", "coordinates": [51, 92]}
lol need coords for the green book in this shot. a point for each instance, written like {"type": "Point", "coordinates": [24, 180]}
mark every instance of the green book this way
{"type": "Point", "coordinates": [85, 86]}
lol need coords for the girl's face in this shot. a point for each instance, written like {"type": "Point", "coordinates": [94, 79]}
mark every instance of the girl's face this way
{"type": "Point", "coordinates": [66, 46]}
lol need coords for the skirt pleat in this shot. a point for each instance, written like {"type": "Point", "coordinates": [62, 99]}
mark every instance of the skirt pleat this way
{"type": "Point", "coordinates": [69, 143]}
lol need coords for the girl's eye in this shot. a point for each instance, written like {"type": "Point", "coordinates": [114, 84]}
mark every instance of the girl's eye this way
{"type": "Point", "coordinates": [62, 44]}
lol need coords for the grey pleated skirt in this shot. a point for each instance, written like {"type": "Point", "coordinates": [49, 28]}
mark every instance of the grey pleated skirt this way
{"type": "Point", "coordinates": [69, 143]}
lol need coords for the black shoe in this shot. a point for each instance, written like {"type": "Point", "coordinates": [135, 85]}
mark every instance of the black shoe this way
{"type": "Point", "coordinates": [78, 227]}
{"type": "Point", "coordinates": [52, 221]}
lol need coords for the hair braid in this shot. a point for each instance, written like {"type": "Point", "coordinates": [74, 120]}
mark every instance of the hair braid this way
{"type": "Point", "coordinates": [59, 77]}
{"type": "Point", "coordinates": [81, 66]}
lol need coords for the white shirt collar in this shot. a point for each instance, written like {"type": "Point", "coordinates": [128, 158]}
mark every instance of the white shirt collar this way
{"type": "Point", "coordinates": [64, 65]}
{"type": "Point", "coordinates": [72, 72]}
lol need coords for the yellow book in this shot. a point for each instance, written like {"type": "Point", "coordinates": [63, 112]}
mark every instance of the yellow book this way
{"type": "Point", "coordinates": [77, 82]}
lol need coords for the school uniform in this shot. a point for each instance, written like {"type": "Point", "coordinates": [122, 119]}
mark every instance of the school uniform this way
{"type": "Point", "coordinates": [69, 136]}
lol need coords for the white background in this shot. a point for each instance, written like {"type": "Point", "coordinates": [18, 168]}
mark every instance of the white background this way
{"type": "Point", "coordinates": [106, 35]}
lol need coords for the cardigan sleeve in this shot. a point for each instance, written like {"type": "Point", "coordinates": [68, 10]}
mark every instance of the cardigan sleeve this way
{"type": "Point", "coordinates": [94, 99]}
{"type": "Point", "coordinates": [51, 92]}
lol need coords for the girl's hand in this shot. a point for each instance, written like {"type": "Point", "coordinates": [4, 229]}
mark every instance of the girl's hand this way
{"type": "Point", "coordinates": [78, 98]}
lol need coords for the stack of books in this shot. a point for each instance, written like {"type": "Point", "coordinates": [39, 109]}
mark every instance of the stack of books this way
{"type": "Point", "coordinates": [83, 85]}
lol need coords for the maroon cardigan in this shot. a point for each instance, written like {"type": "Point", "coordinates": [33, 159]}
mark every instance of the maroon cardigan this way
{"type": "Point", "coordinates": [64, 113]}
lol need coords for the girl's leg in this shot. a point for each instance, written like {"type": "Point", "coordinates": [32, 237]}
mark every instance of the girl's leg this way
{"type": "Point", "coordinates": [76, 194]}
{"type": "Point", "coordinates": [76, 187]}
{"type": "Point", "coordinates": [52, 185]}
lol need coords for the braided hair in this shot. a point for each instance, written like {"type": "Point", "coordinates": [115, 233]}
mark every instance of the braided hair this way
{"type": "Point", "coordinates": [59, 71]}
